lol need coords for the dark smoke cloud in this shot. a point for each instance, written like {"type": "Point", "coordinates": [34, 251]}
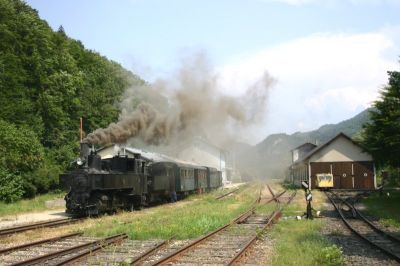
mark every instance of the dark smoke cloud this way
{"type": "Point", "coordinates": [190, 104]}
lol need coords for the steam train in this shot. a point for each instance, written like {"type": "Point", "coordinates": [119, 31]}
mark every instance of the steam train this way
{"type": "Point", "coordinates": [97, 185]}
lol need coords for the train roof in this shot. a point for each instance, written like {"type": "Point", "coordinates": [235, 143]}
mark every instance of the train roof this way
{"type": "Point", "coordinates": [160, 158]}
{"type": "Point", "coordinates": [180, 164]}
{"type": "Point", "coordinates": [151, 156]}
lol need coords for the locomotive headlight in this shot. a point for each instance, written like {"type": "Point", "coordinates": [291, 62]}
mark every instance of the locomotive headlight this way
{"type": "Point", "coordinates": [79, 161]}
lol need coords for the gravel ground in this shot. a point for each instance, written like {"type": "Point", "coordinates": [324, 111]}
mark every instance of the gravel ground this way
{"type": "Point", "coordinates": [355, 250]}
{"type": "Point", "coordinates": [261, 254]}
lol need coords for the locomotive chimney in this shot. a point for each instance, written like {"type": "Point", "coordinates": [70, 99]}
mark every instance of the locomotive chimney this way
{"type": "Point", "coordinates": [85, 149]}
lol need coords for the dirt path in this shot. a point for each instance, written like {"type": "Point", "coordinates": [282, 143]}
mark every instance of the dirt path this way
{"type": "Point", "coordinates": [24, 218]}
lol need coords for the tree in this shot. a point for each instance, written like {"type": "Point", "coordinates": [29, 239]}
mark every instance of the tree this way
{"type": "Point", "coordinates": [48, 81]}
{"type": "Point", "coordinates": [11, 186]}
{"type": "Point", "coordinates": [381, 136]}
{"type": "Point", "coordinates": [21, 154]}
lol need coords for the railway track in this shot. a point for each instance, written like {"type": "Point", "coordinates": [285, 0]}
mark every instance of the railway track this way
{"type": "Point", "coordinates": [226, 245]}
{"type": "Point", "coordinates": [275, 197]}
{"type": "Point", "coordinates": [364, 228]}
{"type": "Point", "coordinates": [65, 250]}
{"type": "Point", "coordinates": [36, 243]}
{"type": "Point", "coordinates": [32, 226]}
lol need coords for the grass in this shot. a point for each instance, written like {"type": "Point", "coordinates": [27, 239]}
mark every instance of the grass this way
{"type": "Point", "coordinates": [28, 205]}
{"type": "Point", "coordinates": [300, 243]}
{"type": "Point", "coordinates": [186, 219]}
{"type": "Point", "coordinates": [385, 207]}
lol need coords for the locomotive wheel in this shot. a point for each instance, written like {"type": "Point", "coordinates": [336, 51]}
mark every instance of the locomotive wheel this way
{"type": "Point", "coordinates": [131, 207]}
{"type": "Point", "coordinates": [97, 205]}
{"type": "Point", "coordinates": [92, 211]}
{"type": "Point", "coordinates": [135, 203]}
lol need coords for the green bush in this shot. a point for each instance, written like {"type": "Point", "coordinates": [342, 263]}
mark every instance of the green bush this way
{"type": "Point", "coordinates": [11, 186]}
{"type": "Point", "coordinates": [46, 177]}
{"type": "Point", "coordinates": [331, 255]}
{"type": "Point", "coordinates": [28, 187]}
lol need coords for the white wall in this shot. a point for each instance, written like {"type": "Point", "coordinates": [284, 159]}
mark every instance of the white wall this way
{"type": "Point", "coordinates": [295, 155]}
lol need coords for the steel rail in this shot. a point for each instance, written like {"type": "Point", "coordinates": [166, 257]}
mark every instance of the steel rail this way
{"type": "Point", "coordinates": [226, 194]}
{"type": "Point", "coordinates": [91, 250]}
{"type": "Point", "coordinates": [36, 243]}
{"type": "Point", "coordinates": [386, 234]}
{"type": "Point", "coordinates": [272, 193]}
{"type": "Point", "coordinates": [139, 259]}
{"type": "Point", "coordinates": [43, 258]}
{"type": "Point", "coordinates": [276, 215]}
{"type": "Point", "coordinates": [275, 197]}
{"type": "Point", "coordinates": [383, 249]}
{"type": "Point", "coordinates": [22, 228]}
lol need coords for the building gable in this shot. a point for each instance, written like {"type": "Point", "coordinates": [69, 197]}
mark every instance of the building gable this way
{"type": "Point", "coordinates": [301, 151]}
{"type": "Point", "coordinates": [340, 149]}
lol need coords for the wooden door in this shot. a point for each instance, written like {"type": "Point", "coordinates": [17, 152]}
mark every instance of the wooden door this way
{"type": "Point", "coordinates": [364, 175]}
{"type": "Point", "coordinates": [342, 171]}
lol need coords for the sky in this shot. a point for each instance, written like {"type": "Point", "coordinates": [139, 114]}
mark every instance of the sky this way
{"type": "Point", "coordinates": [329, 58]}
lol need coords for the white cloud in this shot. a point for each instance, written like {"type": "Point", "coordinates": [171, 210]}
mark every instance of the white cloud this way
{"type": "Point", "coordinates": [347, 96]}
{"type": "Point", "coordinates": [322, 78]}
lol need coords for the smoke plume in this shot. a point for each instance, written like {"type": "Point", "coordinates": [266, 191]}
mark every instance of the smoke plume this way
{"type": "Point", "coordinates": [189, 104]}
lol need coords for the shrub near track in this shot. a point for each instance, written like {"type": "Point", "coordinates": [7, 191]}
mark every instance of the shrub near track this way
{"type": "Point", "coordinates": [189, 218]}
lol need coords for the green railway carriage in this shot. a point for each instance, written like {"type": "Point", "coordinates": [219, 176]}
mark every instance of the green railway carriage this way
{"type": "Point", "coordinates": [214, 178]}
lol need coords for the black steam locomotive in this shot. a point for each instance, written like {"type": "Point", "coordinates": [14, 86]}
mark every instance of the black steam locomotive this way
{"type": "Point", "coordinates": [98, 185]}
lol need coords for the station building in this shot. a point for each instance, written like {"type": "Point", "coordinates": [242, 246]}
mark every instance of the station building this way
{"type": "Point", "coordinates": [350, 165]}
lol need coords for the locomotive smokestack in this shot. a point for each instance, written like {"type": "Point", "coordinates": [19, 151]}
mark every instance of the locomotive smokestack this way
{"type": "Point", "coordinates": [85, 149]}
{"type": "Point", "coordinates": [81, 128]}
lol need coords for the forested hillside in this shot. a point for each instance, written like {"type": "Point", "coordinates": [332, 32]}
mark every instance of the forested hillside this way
{"type": "Point", "coordinates": [272, 156]}
{"type": "Point", "coordinates": [47, 82]}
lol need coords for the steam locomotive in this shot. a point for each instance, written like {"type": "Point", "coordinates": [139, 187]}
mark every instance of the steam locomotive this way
{"type": "Point", "coordinates": [97, 185]}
